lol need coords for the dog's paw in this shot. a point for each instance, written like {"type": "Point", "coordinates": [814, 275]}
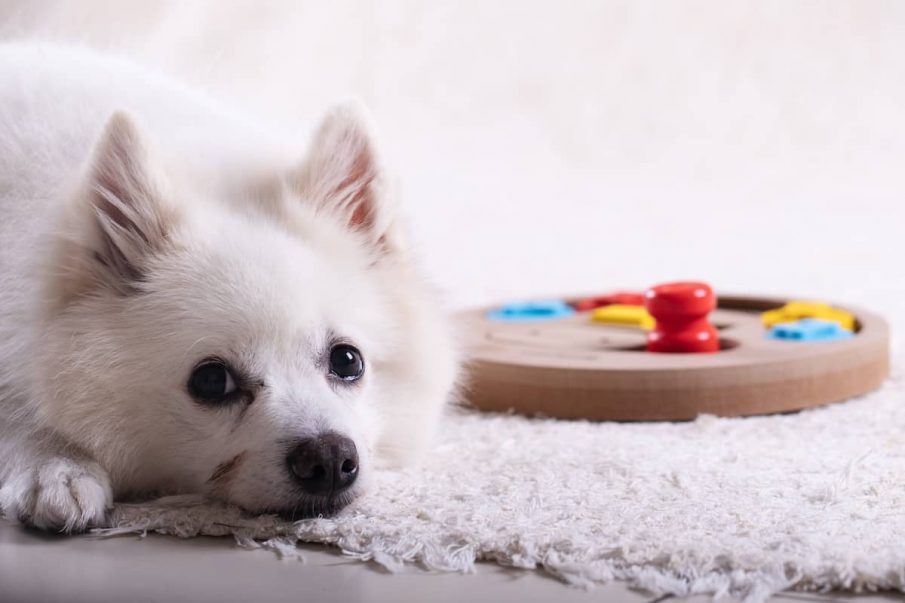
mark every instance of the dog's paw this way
{"type": "Point", "coordinates": [59, 494]}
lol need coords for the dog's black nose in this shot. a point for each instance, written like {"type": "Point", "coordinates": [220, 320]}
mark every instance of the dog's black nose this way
{"type": "Point", "coordinates": [326, 464]}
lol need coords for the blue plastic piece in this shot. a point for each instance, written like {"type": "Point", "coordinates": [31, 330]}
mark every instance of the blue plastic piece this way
{"type": "Point", "coordinates": [532, 311]}
{"type": "Point", "coordinates": [809, 329]}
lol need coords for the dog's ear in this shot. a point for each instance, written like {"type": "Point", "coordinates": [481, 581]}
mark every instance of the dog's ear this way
{"type": "Point", "coordinates": [343, 176]}
{"type": "Point", "coordinates": [119, 219]}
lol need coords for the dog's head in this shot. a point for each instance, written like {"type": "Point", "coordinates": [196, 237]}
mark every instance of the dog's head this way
{"type": "Point", "coordinates": [268, 349]}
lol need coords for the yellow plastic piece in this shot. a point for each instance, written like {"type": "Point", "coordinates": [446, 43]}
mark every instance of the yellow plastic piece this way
{"type": "Point", "coordinates": [798, 309]}
{"type": "Point", "coordinates": [621, 314]}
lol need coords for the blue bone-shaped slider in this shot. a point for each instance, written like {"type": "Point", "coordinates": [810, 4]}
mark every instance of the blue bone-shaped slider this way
{"type": "Point", "coordinates": [809, 329]}
{"type": "Point", "coordinates": [532, 311]}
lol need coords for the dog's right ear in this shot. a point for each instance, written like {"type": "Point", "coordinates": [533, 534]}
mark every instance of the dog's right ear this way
{"type": "Point", "coordinates": [119, 219]}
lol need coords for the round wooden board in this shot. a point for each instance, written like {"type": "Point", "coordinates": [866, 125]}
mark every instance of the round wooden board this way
{"type": "Point", "coordinates": [572, 368]}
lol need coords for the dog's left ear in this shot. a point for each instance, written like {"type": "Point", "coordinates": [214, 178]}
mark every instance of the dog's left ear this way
{"type": "Point", "coordinates": [342, 175]}
{"type": "Point", "coordinates": [117, 220]}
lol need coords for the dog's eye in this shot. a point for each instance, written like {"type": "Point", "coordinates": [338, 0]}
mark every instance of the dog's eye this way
{"type": "Point", "coordinates": [346, 362]}
{"type": "Point", "coordinates": [211, 382]}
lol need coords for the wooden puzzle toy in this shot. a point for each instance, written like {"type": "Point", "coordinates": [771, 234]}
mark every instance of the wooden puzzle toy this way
{"type": "Point", "coordinates": [598, 357]}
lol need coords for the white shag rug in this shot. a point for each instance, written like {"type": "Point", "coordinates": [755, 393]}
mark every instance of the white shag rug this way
{"type": "Point", "coordinates": [746, 507]}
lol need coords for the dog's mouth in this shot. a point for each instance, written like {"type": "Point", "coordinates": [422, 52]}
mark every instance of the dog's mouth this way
{"type": "Point", "coordinates": [316, 506]}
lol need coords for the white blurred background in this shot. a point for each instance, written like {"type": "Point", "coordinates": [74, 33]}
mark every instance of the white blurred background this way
{"type": "Point", "coordinates": [582, 145]}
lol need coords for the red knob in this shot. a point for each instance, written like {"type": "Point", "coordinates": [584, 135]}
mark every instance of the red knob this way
{"type": "Point", "coordinates": [681, 311]}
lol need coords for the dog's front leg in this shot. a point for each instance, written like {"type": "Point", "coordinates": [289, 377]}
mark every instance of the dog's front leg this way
{"type": "Point", "coordinates": [47, 484]}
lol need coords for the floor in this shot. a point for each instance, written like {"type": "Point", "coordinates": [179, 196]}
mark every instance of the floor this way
{"type": "Point", "coordinates": [38, 567]}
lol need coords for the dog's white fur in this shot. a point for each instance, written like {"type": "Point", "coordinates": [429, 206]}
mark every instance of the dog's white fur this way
{"type": "Point", "coordinates": [124, 262]}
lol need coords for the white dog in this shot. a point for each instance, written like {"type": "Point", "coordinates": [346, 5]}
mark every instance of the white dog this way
{"type": "Point", "coordinates": [211, 314]}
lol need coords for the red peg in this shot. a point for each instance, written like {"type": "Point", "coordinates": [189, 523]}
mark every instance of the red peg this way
{"type": "Point", "coordinates": [681, 310]}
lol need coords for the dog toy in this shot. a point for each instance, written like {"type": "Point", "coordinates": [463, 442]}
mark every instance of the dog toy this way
{"type": "Point", "coordinates": [674, 352]}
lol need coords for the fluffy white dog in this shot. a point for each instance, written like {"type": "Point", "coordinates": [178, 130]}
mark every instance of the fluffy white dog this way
{"type": "Point", "coordinates": [211, 314]}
